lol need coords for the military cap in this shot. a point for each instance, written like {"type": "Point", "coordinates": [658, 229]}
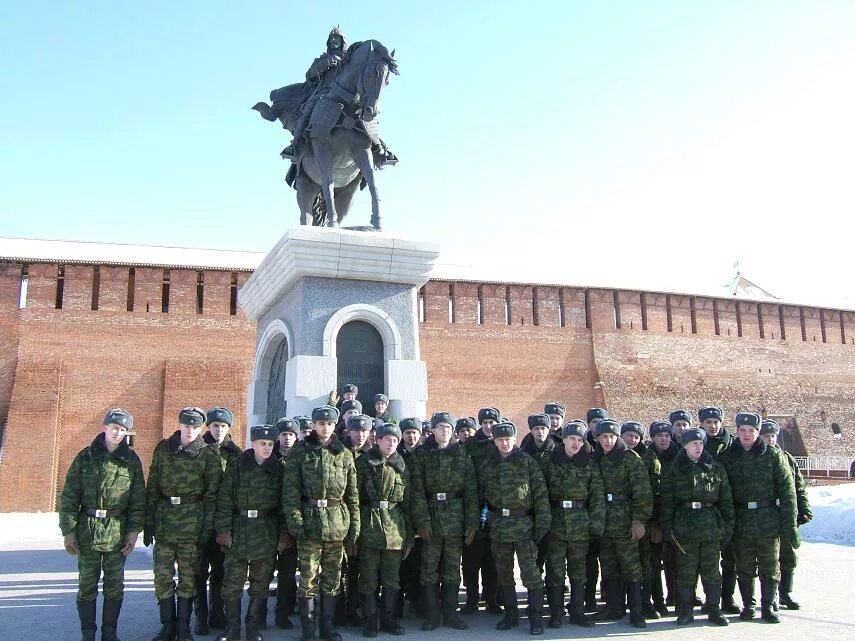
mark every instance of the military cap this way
{"type": "Point", "coordinates": [489, 414]}
{"type": "Point", "coordinates": [381, 398]}
{"type": "Point", "coordinates": [219, 415]}
{"type": "Point", "coordinates": [692, 434]}
{"type": "Point", "coordinates": [426, 426]}
{"type": "Point", "coordinates": [442, 417]}
{"type": "Point", "coordinates": [770, 427]}
{"type": "Point", "coordinates": [257, 432]}
{"type": "Point", "coordinates": [304, 422]}
{"type": "Point", "coordinates": [286, 424]}
{"type": "Point", "coordinates": [325, 413]}
{"type": "Point", "coordinates": [120, 417]}
{"type": "Point", "coordinates": [632, 426]}
{"type": "Point", "coordinates": [661, 427]}
{"type": "Point", "coordinates": [411, 424]}
{"type": "Point", "coordinates": [377, 423]}
{"type": "Point", "coordinates": [680, 415]}
{"type": "Point", "coordinates": [359, 422]}
{"type": "Point", "coordinates": [607, 426]}
{"type": "Point", "coordinates": [465, 423]}
{"type": "Point", "coordinates": [350, 388]}
{"type": "Point", "coordinates": [596, 412]}
{"type": "Point", "coordinates": [346, 406]}
{"type": "Point", "coordinates": [751, 419]}
{"type": "Point", "coordinates": [710, 411]}
{"type": "Point", "coordinates": [388, 429]}
{"type": "Point", "coordinates": [505, 428]}
{"type": "Point", "coordinates": [538, 420]}
{"type": "Point", "coordinates": [575, 428]}
{"type": "Point", "coordinates": [555, 408]}
{"type": "Point", "coordinates": [192, 416]}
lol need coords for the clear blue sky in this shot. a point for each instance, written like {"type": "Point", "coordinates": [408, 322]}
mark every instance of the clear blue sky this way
{"type": "Point", "coordinates": [642, 144]}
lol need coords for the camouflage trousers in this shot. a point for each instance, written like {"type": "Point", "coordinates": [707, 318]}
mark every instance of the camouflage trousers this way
{"type": "Point", "coordinates": [183, 554]}
{"type": "Point", "coordinates": [320, 567]}
{"type": "Point", "coordinates": [619, 558]}
{"type": "Point", "coordinates": [701, 557]}
{"type": "Point", "coordinates": [375, 564]}
{"type": "Point", "coordinates": [444, 551]}
{"type": "Point", "coordinates": [757, 554]}
{"type": "Point", "coordinates": [526, 551]}
{"type": "Point", "coordinates": [236, 568]}
{"type": "Point", "coordinates": [565, 559]}
{"type": "Point", "coordinates": [478, 557]}
{"type": "Point", "coordinates": [645, 556]}
{"type": "Point", "coordinates": [788, 558]}
{"type": "Point", "coordinates": [90, 564]}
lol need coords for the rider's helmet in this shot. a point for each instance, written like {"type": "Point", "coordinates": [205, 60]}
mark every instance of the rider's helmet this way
{"type": "Point", "coordinates": [339, 35]}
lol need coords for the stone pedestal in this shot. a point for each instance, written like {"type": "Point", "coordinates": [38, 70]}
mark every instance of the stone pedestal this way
{"type": "Point", "coordinates": [313, 282]}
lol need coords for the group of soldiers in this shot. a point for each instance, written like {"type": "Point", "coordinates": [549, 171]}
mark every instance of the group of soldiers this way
{"type": "Point", "coordinates": [374, 512]}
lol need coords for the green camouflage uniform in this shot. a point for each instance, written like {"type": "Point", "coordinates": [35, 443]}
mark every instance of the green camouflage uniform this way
{"type": "Point", "coordinates": [192, 476]}
{"type": "Point", "coordinates": [697, 510]}
{"type": "Point", "coordinates": [575, 478]}
{"type": "Point", "coordinates": [515, 486]}
{"type": "Point", "coordinates": [654, 473]}
{"type": "Point", "coordinates": [624, 475]}
{"type": "Point", "coordinates": [478, 556]}
{"type": "Point", "coordinates": [314, 471]}
{"type": "Point", "coordinates": [384, 517]}
{"type": "Point", "coordinates": [804, 513]}
{"type": "Point", "coordinates": [764, 497]}
{"type": "Point", "coordinates": [446, 473]}
{"type": "Point", "coordinates": [717, 444]}
{"type": "Point", "coordinates": [100, 480]}
{"type": "Point", "coordinates": [248, 507]}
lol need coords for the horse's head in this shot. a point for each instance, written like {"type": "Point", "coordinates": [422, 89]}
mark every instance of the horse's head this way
{"type": "Point", "coordinates": [378, 64]}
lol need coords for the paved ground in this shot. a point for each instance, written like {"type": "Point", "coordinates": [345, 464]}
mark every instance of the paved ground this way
{"type": "Point", "coordinates": [38, 586]}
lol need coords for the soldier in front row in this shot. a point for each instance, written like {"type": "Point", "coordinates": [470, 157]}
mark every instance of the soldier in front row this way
{"type": "Point", "coordinates": [101, 513]}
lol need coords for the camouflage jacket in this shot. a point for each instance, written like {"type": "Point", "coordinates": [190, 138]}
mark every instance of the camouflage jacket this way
{"type": "Point", "coordinates": [760, 476]}
{"type": "Point", "coordinates": [386, 417]}
{"type": "Point", "coordinates": [313, 471]}
{"type": "Point", "coordinates": [624, 474]}
{"type": "Point", "coordinates": [705, 483]}
{"type": "Point", "coordinates": [192, 473]}
{"type": "Point", "coordinates": [353, 451]}
{"type": "Point", "coordinates": [249, 486]}
{"type": "Point", "coordinates": [381, 481]}
{"type": "Point", "coordinates": [479, 448]}
{"type": "Point", "coordinates": [101, 480]}
{"type": "Point", "coordinates": [718, 444]}
{"type": "Point", "coordinates": [666, 458]}
{"type": "Point", "coordinates": [449, 471]}
{"type": "Point", "coordinates": [227, 450]}
{"type": "Point", "coordinates": [654, 473]}
{"type": "Point", "coordinates": [575, 478]}
{"type": "Point", "coordinates": [804, 513]}
{"type": "Point", "coordinates": [540, 454]}
{"type": "Point", "coordinates": [515, 483]}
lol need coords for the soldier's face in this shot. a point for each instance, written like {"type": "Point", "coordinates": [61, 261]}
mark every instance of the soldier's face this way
{"type": "Point", "coordinates": [190, 433]}
{"type": "Point", "coordinates": [358, 438]}
{"type": "Point", "coordinates": [305, 432]}
{"type": "Point", "coordinates": [263, 448]}
{"type": "Point", "coordinates": [218, 430]}
{"type": "Point", "coordinates": [411, 438]}
{"type": "Point", "coordinates": [487, 426]}
{"type": "Point", "coordinates": [572, 445]}
{"type": "Point", "coordinates": [379, 407]}
{"type": "Point", "coordinates": [113, 435]}
{"type": "Point", "coordinates": [712, 426]}
{"type": "Point", "coordinates": [349, 396]}
{"type": "Point", "coordinates": [350, 413]}
{"type": "Point", "coordinates": [592, 424]}
{"type": "Point", "coordinates": [539, 434]}
{"type": "Point", "coordinates": [442, 434]}
{"type": "Point", "coordinates": [747, 436]}
{"type": "Point", "coordinates": [555, 421]}
{"type": "Point", "coordinates": [287, 440]}
{"type": "Point", "coordinates": [324, 429]}
{"type": "Point", "coordinates": [662, 441]}
{"type": "Point", "coordinates": [679, 426]}
{"type": "Point", "coordinates": [607, 441]}
{"type": "Point", "coordinates": [387, 445]}
{"type": "Point", "coordinates": [694, 449]}
{"type": "Point", "coordinates": [504, 444]}
{"type": "Point", "coordinates": [631, 439]}
{"type": "Point", "coordinates": [771, 439]}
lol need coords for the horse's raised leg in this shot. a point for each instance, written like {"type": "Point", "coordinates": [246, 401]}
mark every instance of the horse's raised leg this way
{"type": "Point", "coordinates": [323, 159]}
{"type": "Point", "coordinates": [365, 162]}
{"type": "Point", "coordinates": [307, 191]}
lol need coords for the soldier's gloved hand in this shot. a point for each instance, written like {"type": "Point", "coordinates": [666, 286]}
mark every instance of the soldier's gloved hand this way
{"type": "Point", "coordinates": [655, 533]}
{"type": "Point", "coordinates": [224, 539]}
{"type": "Point", "coordinates": [636, 530]}
{"type": "Point", "coordinates": [130, 543]}
{"type": "Point", "coordinates": [70, 543]}
{"type": "Point", "coordinates": [424, 533]}
{"type": "Point", "coordinates": [666, 535]}
{"type": "Point", "coordinates": [147, 538]}
{"type": "Point", "coordinates": [794, 540]}
{"type": "Point", "coordinates": [286, 541]}
{"type": "Point", "coordinates": [539, 533]}
{"type": "Point", "coordinates": [803, 518]}
{"type": "Point", "coordinates": [470, 535]}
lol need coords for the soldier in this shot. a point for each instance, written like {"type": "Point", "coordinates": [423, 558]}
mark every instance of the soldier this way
{"type": "Point", "coordinates": [629, 505]}
{"type": "Point", "coordinates": [632, 433]}
{"type": "Point", "coordinates": [697, 514]}
{"type": "Point", "coordinates": [349, 392]}
{"type": "Point", "coordinates": [411, 440]}
{"type": "Point", "coordinates": [769, 431]}
{"type": "Point", "coordinates": [386, 534]}
{"type": "Point", "coordinates": [578, 511]}
{"type": "Point", "coordinates": [478, 557]}
{"type": "Point", "coordinates": [249, 526]}
{"type": "Point", "coordinates": [445, 516]}
{"type": "Point", "coordinates": [765, 500]}
{"type": "Point", "coordinates": [512, 485]}
{"type": "Point", "coordinates": [540, 441]}
{"type": "Point", "coordinates": [664, 558]}
{"type": "Point", "coordinates": [286, 559]}
{"type": "Point", "coordinates": [181, 498]}
{"type": "Point", "coordinates": [356, 441]}
{"type": "Point", "coordinates": [680, 420]}
{"type": "Point", "coordinates": [592, 563]}
{"type": "Point", "coordinates": [465, 428]}
{"type": "Point", "coordinates": [556, 412]}
{"type": "Point", "coordinates": [348, 409]}
{"type": "Point", "coordinates": [381, 409]}
{"type": "Point", "coordinates": [219, 421]}
{"type": "Point", "coordinates": [101, 514]}
{"type": "Point", "coordinates": [320, 501]}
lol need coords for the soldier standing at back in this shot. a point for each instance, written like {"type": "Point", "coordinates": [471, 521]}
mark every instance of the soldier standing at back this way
{"type": "Point", "coordinates": [765, 500]}
{"type": "Point", "coordinates": [381, 409]}
{"type": "Point", "coordinates": [555, 412]}
{"type": "Point", "coordinates": [286, 560]}
{"type": "Point", "coordinates": [181, 498]}
{"type": "Point", "coordinates": [320, 500]}
{"type": "Point", "coordinates": [219, 421]}
{"type": "Point", "coordinates": [664, 558]}
{"type": "Point", "coordinates": [411, 442]}
{"type": "Point", "coordinates": [101, 513]}
{"type": "Point", "coordinates": [512, 485]}
{"type": "Point", "coordinates": [592, 563]}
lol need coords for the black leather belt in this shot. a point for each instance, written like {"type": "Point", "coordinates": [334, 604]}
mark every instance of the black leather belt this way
{"type": "Point", "coordinates": [696, 505]}
{"type": "Point", "coordinates": [101, 514]}
{"type": "Point", "coordinates": [753, 505]}
{"type": "Point", "coordinates": [617, 498]}
{"type": "Point", "coordinates": [502, 511]}
{"type": "Point", "coordinates": [182, 500]}
{"type": "Point", "coordinates": [444, 496]}
{"type": "Point", "coordinates": [575, 504]}
{"type": "Point", "coordinates": [384, 505]}
{"type": "Point", "coordinates": [322, 503]}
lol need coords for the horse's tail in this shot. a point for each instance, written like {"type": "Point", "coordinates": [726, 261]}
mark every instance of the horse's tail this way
{"type": "Point", "coordinates": [319, 211]}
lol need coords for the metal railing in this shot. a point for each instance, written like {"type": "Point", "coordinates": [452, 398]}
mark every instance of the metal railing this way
{"type": "Point", "coordinates": [825, 465]}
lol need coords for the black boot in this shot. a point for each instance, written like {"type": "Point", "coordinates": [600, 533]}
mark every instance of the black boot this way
{"type": "Point", "coordinates": [352, 600]}
{"type": "Point", "coordinates": [431, 603]}
{"type": "Point", "coordinates": [658, 596]}
{"type": "Point", "coordinates": [555, 598]}
{"type": "Point", "coordinates": [785, 587]}
{"type": "Point", "coordinates": [369, 614]}
{"type": "Point", "coordinates": [728, 586]}
{"type": "Point", "coordinates": [535, 611]}
{"type": "Point", "coordinates": [201, 608]}
{"type": "Point", "coordinates": [577, 606]}
{"type": "Point", "coordinates": [182, 619]}
{"type": "Point", "coordinates": [327, 627]}
{"type": "Point", "coordinates": [232, 621]}
{"type": "Point", "coordinates": [216, 608]}
{"type": "Point", "coordinates": [253, 618]}
{"type": "Point", "coordinates": [388, 620]}
{"type": "Point", "coordinates": [450, 617]}
{"type": "Point", "coordinates": [512, 613]}
{"type": "Point", "coordinates": [647, 608]}
{"type": "Point", "coordinates": [636, 618]}
{"type": "Point", "coordinates": [110, 619]}
{"type": "Point", "coordinates": [261, 617]}
{"type": "Point", "coordinates": [167, 620]}
{"type": "Point", "coordinates": [614, 593]}
{"type": "Point", "coordinates": [307, 620]}
{"type": "Point", "coordinates": [768, 594]}
{"type": "Point", "coordinates": [491, 601]}
{"type": "Point", "coordinates": [746, 589]}
{"type": "Point", "coordinates": [471, 605]}
{"type": "Point", "coordinates": [685, 605]}
{"type": "Point", "coordinates": [714, 615]}
{"type": "Point", "coordinates": [86, 613]}
{"type": "Point", "coordinates": [283, 608]}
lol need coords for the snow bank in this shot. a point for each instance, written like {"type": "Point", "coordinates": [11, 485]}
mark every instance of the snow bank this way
{"type": "Point", "coordinates": [27, 528]}
{"type": "Point", "coordinates": [833, 514]}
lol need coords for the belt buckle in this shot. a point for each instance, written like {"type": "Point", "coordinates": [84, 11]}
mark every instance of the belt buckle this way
{"type": "Point", "coordinates": [696, 505]}
{"type": "Point", "coordinates": [441, 496]}
{"type": "Point", "coordinates": [752, 505]}
{"type": "Point", "coordinates": [566, 504]}
{"type": "Point", "coordinates": [252, 514]}
{"type": "Point", "coordinates": [384, 505]}
{"type": "Point", "coordinates": [610, 498]}
{"type": "Point", "coordinates": [100, 514]}
{"type": "Point", "coordinates": [321, 502]}
{"type": "Point", "coordinates": [175, 500]}
{"type": "Point", "coordinates": [506, 512]}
